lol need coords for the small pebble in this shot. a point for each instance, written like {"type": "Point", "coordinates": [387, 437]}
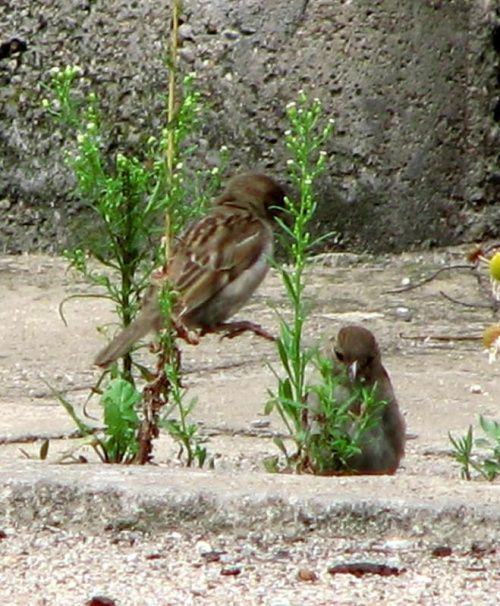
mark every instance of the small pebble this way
{"type": "Point", "coordinates": [305, 574]}
{"type": "Point", "coordinates": [185, 32]}
{"type": "Point", "coordinates": [476, 389]}
{"type": "Point", "coordinates": [442, 551]}
{"type": "Point", "coordinates": [199, 591]}
{"type": "Point", "coordinates": [230, 571]}
{"type": "Point", "coordinates": [404, 313]}
{"type": "Point", "coordinates": [187, 55]}
{"type": "Point", "coordinates": [212, 556]}
{"type": "Point", "coordinates": [100, 600]}
{"type": "Point", "coordinates": [203, 547]}
{"type": "Point", "coordinates": [260, 423]}
{"type": "Point", "coordinates": [230, 34]}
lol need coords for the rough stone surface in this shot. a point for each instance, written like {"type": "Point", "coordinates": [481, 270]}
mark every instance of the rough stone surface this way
{"type": "Point", "coordinates": [36, 495]}
{"type": "Point", "coordinates": [413, 88]}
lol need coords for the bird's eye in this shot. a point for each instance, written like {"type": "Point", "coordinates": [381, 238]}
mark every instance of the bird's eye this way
{"type": "Point", "coordinates": [340, 355]}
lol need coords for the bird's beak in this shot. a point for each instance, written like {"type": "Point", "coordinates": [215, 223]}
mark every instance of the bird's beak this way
{"type": "Point", "coordinates": [353, 370]}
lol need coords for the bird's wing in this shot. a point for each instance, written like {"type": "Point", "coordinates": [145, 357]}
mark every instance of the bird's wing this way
{"type": "Point", "coordinates": [212, 253]}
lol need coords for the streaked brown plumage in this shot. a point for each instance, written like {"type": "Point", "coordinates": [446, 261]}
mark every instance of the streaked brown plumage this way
{"type": "Point", "coordinates": [216, 264]}
{"type": "Point", "coordinates": [356, 350]}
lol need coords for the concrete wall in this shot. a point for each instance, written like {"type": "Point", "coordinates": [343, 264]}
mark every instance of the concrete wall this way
{"type": "Point", "coordinates": [412, 84]}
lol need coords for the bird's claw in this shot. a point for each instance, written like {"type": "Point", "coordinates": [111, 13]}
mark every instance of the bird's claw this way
{"type": "Point", "coordinates": [234, 329]}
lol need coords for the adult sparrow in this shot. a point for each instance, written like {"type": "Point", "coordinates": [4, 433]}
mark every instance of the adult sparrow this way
{"type": "Point", "coordinates": [356, 358]}
{"type": "Point", "coordinates": [215, 267]}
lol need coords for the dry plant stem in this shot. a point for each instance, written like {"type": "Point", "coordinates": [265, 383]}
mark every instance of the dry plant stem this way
{"type": "Point", "coordinates": [155, 397]}
{"type": "Point", "coordinates": [493, 305]}
{"type": "Point", "coordinates": [171, 152]}
{"type": "Point", "coordinates": [491, 248]}
{"type": "Point", "coordinates": [174, 32]}
{"type": "Point", "coordinates": [430, 278]}
{"type": "Point", "coordinates": [35, 437]}
{"type": "Point", "coordinates": [473, 268]}
{"type": "Point", "coordinates": [445, 338]}
{"type": "Point", "coordinates": [156, 393]}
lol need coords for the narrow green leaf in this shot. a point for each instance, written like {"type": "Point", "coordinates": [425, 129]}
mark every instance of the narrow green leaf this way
{"type": "Point", "coordinates": [280, 444]}
{"type": "Point", "coordinates": [490, 427]}
{"type": "Point", "coordinates": [44, 449]}
{"type": "Point", "coordinates": [269, 407]}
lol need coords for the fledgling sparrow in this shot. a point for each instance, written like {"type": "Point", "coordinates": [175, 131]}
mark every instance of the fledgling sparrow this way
{"type": "Point", "coordinates": [215, 267]}
{"type": "Point", "coordinates": [356, 356]}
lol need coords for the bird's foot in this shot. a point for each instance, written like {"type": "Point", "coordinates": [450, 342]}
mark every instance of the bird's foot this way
{"type": "Point", "coordinates": [184, 334]}
{"type": "Point", "coordinates": [233, 329]}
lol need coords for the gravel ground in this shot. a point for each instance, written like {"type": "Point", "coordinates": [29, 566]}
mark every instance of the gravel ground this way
{"type": "Point", "coordinates": [60, 568]}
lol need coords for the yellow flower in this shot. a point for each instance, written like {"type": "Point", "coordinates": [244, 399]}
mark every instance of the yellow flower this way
{"type": "Point", "coordinates": [495, 267]}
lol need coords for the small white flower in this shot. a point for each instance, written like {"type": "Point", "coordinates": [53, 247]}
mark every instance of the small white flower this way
{"type": "Point", "coordinates": [288, 133]}
{"type": "Point", "coordinates": [291, 105]}
{"type": "Point", "coordinates": [223, 149]}
{"type": "Point", "coordinates": [289, 162]}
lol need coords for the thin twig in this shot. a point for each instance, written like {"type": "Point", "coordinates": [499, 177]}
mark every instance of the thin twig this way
{"type": "Point", "coordinates": [491, 247]}
{"type": "Point", "coordinates": [429, 278]}
{"type": "Point", "coordinates": [28, 438]}
{"type": "Point", "coordinates": [446, 338]}
{"type": "Point", "coordinates": [79, 296]}
{"type": "Point", "coordinates": [464, 304]}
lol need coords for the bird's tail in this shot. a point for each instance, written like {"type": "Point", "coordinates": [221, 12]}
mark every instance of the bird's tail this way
{"type": "Point", "coordinates": [122, 343]}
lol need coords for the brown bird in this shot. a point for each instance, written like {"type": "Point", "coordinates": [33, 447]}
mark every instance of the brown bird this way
{"type": "Point", "coordinates": [216, 265]}
{"type": "Point", "coordinates": [356, 351]}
